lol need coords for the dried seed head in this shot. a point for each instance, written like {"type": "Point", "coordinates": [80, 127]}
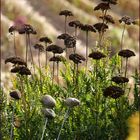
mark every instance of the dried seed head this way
{"type": "Point", "coordinates": [72, 102]}
{"type": "Point", "coordinates": [126, 53]}
{"type": "Point", "coordinates": [113, 92]}
{"type": "Point", "coordinates": [57, 58]}
{"type": "Point", "coordinates": [111, 1]}
{"type": "Point", "coordinates": [75, 23]}
{"type": "Point", "coordinates": [22, 70]}
{"type": "Point", "coordinates": [65, 13]}
{"type": "Point", "coordinates": [127, 20]}
{"type": "Point", "coordinates": [39, 47]}
{"type": "Point", "coordinates": [120, 80]}
{"type": "Point", "coordinates": [45, 39]}
{"type": "Point", "coordinates": [12, 29]}
{"type": "Point", "coordinates": [100, 27]}
{"type": "Point", "coordinates": [15, 94]}
{"type": "Point", "coordinates": [102, 6]}
{"type": "Point", "coordinates": [48, 101]}
{"type": "Point", "coordinates": [70, 42]}
{"type": "Point", "coordinates": [63, 36]}
{"type": "Point", "coordinates": [49, 113]}
{"type": "Point", "coordinates": [26, 28]}
{"type": "Point", "coordinates": [15, 60]}
{"type": "Point", "coordinates": [55, 49]}
{"type": "Point", "coordinates": [76, 58]}
{"type": "Point", "coordinates": [17, 122]}
{"type": "Point", "coordinates": [87, 27]}
{"type": "Point", "coordinates": [97, 55]}
{"type": "Point", "coordinates": [108, 18]}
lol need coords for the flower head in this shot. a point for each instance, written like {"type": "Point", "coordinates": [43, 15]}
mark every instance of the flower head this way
{"type": "Point", "coordinates": [45, 39]}
{"type": "Point", "coordinates": [126, 53]}
{"type": "Point", "coordinates": [15, 60]}
{"type": "Point", "coordinates": [49, 113]}
{"type": "Point", "coordinates": [97, 55]}
{"type": "Point", "coordinates": [76, 58]}
{"type": "Point", "coordinates": [57, 58]}
{"type": "Point", "coordinates": [72, 102]}
{"type": "Point", "coordinates": [75, 23]}
{"type": "Point", "coordinates": [22, 70]}
{"type": "Point", "coordinates": [87, 27]}
{"type": "Point", "coordinates": [55, 49]}
{"type": "Point", "coordinates": [48, 101]}
{"type": "Point", "coordinates": [100, 27]}
{"type": "Point", "coordinates": [26, 28]}
{"type": "Point", "coordinates": [108, 18]}
{"type": "Point", "coordinates": [15, 94]}
{"type": "Point", "coordinates": [63, 36]}
{"type": "Point", "coordinates": [113, 92]}
{"type": "Point", "coordinates": [65, 13]}
{"type": "Point", "coordinates": [39, 47]}
{"type": "Point", "coordinates": [102, 6]}
{"type": "Point", "coordinates": [70, 42]}
{"type": "Point", "coordinates": [127, 20]}
{"type": "Point", "coordinates": [12, 29]}
{"type": "Point", "coordinates": [120, 79]}
{"type": "Point", "coordinates": [111, 1]}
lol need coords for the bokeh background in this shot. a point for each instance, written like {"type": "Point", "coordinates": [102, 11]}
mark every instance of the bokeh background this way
{"type": "Point", "coordinates": [43, 15]}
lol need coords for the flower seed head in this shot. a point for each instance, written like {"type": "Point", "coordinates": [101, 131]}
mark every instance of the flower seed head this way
{"type": "Point", "coordinates": [120, 79]}
{"type": "Point", "coordinates": [108, 18]}
{"type": "Point", "coordinates": [127, 20]}
{"type": "Point", "coordinates": [97, 55]}
{"type": "Point", "coordinates": [55, 49]}
{"type": "Point", "coordinates": [63, 36]}
{"type": "Point", "coordinates": [65, 13]}
{"type": "Point", "coordinates": [76, 58]}
{"type": "Point", "coordinates": [70, 42]}
{"type": "Point", "coordinates": [126, 53]}
{"type": "Point", "coordinates": [57, 59]}
{"type": "Point", "coordinates": [26, 29]}
{"type": "Point", "coordinates": [22, 70]}
{"type": "Point", "coordinates": [102, 6]}
{"type": "Point", "coordinates": [12, 29]}
{"type": "Point", "coordinates": [15, 60]}
{"type": "Point", "coordinates": [72, 102]}
{"type": "Point", "coordinates": [87, 27]}
{"type": "Point", "coordinates": [113, 92]}
{"type": "Point", "coordinates": [48, 101]}
{"type": "Point", "coordinates": [75, 23]}
{"type": "Point", "coordinates": [49, 113]}
{"type": "Point", "coordinates": [111, 1]}
{"type": "Point", "coordinates": [45, 39]}
{"type": "Point", "coordinates": [15, 94]}
{"type": "Point", "coordinates": [39, 47]}
{"type": "Point", "coordinates": [100, 27]}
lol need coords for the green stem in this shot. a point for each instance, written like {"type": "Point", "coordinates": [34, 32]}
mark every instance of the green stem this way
{"type": "Point", "coordinates": [86, 50]}
{"type": "Point", "coordinates": [15, 45]}
{"type": "Point", "coordinates": [126, 67]}
{"type": "Point", "coordinates": [44, 129]}
{"type": "Point", "coordinates": [65, 117]}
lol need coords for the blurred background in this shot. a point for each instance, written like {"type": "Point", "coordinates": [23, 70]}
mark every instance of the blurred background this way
{"type": "Point", "coordinates": [43, 15]}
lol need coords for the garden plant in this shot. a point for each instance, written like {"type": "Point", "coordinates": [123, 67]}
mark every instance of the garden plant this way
{"type": "Point", "coordinates": [83, 97]}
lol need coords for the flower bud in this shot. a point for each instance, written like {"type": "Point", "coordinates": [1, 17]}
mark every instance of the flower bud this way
{"type": "Point", "coordinates": [71, 102]}
{"type": "Point", "coordinates": [48, 101]}
{"type": "Point", "coordinates": [49, 113]}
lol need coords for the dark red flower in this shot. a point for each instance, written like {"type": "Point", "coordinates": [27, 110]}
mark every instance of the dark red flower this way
{"type": "Point", "coordinates": [63, 36]}
{"type": "Point", "coordinates": [100, 27]}
{"type": "Point", "coordinates": [55, 49]}
{"type": "Point", "coordinates": [127, 20]}
{"type": "Point", "coordinates": [76, 58]}
{"type": "Point", "coordinates": [126, 53]}
{"type": "Point", "coordinates": [87, 27]}
{"type": "Point", "coordinates": [70, 42]}
{"type": "Point", "coordinates": [39, 47]}
{"type": "Point", "coordinates": [113, 92]}
{"type": "Point", "coordinates": [102, 6]}
{"type": "Point", "coordinates": [108, 18]}
{"type": "Point", "coordinates": [97, 55]}
{"type": "Point", "coordinates": [120, 79]}
{"type": "Point", "coordinates": [75, 23]}
{"type": "Point", "coordinates": [15, 94]}
{"type": "Point", "coordinates": [45, 39]}
{"type": "Point", "coordinates": [65, 13]}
